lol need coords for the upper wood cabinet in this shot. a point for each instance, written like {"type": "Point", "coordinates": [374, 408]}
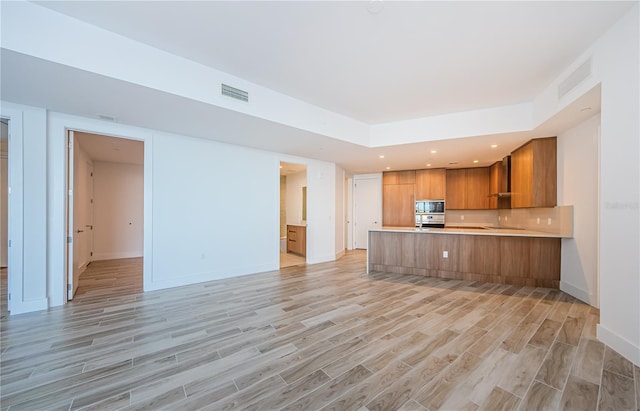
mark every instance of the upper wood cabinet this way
{"type": "Point", "coordinates": [456, 189]}
{"type": "Point", "coordinates": [398, 205]}
{"type": "Point", "coordinates": [467, 188]}
{"type": "Point", "coordinates": [399, 177]}
{"type": "Point", "coordinates": [534, 174]}
{"type": "Point", "coordinates": [430, 184]}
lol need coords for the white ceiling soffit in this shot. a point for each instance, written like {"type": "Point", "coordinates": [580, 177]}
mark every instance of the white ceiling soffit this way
{"type": "Point", "coordinates": [408, 60]}
{"type": "Point", "coordinates": [36, 82]}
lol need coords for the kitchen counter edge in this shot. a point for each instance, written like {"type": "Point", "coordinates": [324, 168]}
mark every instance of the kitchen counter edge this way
{"type": "Point", "coordinates": [503, 232]}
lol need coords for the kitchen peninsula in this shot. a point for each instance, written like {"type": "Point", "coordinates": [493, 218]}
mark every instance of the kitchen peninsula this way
{"type": "Point", "coordinates": [498, 255]}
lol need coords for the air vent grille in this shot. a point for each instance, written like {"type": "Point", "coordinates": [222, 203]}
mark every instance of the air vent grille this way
{"type": "Point", "coordinates": [575, 78]}
{"type": "Point", "coordinates": [235, 93]}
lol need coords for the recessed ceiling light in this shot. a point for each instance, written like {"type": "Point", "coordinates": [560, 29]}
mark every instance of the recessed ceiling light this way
{"type": "Point", "coordinates": [433, 151]}
{"type": "Point", "coordinates": [429, 165]}
{"type": "Point", "coordinates": [494, 145]}
{"type": "Point", "coordinates": [475, 161]}
{"type": "Point", "coordinates": [388, 168]}
{"type": "Point", "coordinates": [280, 166]}
{"type": "Point", "coordinates": [381, 156]}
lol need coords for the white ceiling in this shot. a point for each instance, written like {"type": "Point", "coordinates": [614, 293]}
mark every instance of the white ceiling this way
{"type": "Point", "coordinates": [111, 149]}
{"type": "Point", "coordinates": [409, 60]}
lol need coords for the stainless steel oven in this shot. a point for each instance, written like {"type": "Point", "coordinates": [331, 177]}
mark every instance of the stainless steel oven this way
{"type": "Point", "coordinates": [430, 213]}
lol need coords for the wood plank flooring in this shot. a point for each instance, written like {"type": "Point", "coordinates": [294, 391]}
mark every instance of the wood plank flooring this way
{"type": "Point", "coordinates": [323, 336]}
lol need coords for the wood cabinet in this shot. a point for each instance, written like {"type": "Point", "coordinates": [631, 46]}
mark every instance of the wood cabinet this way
{"type": "Point", "coordinates": [398, 200]}
{"type": "Point", "coordinates": [522, 261]}
{"type": "Point", "coordinates": [297, 239]}
{"type": "Point", "coordinates": [430, 184]}
{"type": "Point", "coordinates": [399, 177]}
{"type": "Point", "coordinates": [534, 174]}
{"type": "Point", "coordinates": [467, 188]}
{"type": "Point", "coordinates": [398, 205]}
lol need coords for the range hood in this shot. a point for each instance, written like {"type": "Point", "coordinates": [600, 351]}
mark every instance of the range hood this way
{"type": "Point", "coordinates": [505, 184]}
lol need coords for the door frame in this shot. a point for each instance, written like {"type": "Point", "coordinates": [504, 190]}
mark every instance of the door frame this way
{"type": "Point", "coordinates": [58, 125]}
{"type": "Point", "coordinates": [15, 213]}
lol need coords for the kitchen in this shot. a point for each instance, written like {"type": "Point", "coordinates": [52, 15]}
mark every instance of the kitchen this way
{"type": "Point", "coordinates": [500, 223]}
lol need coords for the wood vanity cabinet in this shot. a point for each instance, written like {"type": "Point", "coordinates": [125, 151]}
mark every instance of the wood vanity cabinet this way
{"type": "Point", "coordinates": [534, 174]}
{"type": "Point", "coordinates": [297, 239]}
{"type": "Point", "coordinates": [430, 184]}
{"type": "Point", "coordinates": [398, 200]}
{"type": "Point", "coordinates": [467, 188]}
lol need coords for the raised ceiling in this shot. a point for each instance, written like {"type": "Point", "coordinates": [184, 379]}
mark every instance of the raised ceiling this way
{"type": "Point", "coordinates": [372, 61]}
{"type": "Point", "coordinates": [407, 60]}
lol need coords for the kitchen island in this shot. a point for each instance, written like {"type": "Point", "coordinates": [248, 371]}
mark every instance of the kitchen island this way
{"type": "Point", "coordinates": [497, 255]}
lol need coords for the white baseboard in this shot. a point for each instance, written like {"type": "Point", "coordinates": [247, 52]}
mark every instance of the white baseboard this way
{"type": "Point", "coordinates": [20, 307]}
{"type": "Point", "coordinates": [620, 344]}
{"type": "Point", "coordinates": [579, 293]}
{"type": "Point", "coordinates": [116, 256]}
{"type": "Point", "coordinates": [340, 254]}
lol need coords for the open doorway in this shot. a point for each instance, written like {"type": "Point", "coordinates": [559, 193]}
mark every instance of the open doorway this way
{"type": "Point", "coordinates": [4, 216]}
{"type": "Point", "coordinates": [293, 214]}
{"type": "Point", "coordinates": [105, 216]}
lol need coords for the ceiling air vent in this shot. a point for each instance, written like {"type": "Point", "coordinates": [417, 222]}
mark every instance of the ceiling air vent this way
{"type": "Point", "coordinates": [575, 78]}
{"type": "Point", "coordinates": [235, 93]}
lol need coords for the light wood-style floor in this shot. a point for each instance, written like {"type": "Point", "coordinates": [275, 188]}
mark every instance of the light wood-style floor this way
{"type": "Point", "coordinates": [289, 260]}
{"type": "Point", "coordinates": [323, 336]}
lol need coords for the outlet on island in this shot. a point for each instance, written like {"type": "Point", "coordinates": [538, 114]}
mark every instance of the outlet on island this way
{"type": "Point", "coordinates": [445, 254]}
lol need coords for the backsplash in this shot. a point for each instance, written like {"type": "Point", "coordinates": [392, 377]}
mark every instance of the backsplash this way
{"type": "Point", "coordinates": [556, 220]}
{"type": "Point", "coordinates": [471, 218]}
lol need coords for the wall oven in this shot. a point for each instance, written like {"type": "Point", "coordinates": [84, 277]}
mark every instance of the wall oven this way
{"type": "Point", "coordinates": [430, 213]}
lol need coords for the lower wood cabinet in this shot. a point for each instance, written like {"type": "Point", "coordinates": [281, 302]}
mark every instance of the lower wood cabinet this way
{"type": "Point", "coordinates": [297, 239]}
{"type": "Point", "coordinates": [521, 261]}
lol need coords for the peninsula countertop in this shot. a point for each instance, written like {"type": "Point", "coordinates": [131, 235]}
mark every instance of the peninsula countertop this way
{"type": "Point", "coordinates": [485, 230]}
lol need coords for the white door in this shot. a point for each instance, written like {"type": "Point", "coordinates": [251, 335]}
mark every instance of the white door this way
{"type": "Point", "coordinates": [71, 259]}
{"type": "Point", "coordinates": [367, 208]}
{"type": "Point", "coordinates": [83, 211]}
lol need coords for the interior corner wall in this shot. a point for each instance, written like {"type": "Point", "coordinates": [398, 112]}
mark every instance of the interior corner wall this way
{"type": "Point", "coordinates": [118, 210]}
{"type": "Point", "coordinates": [618, 53]}
{"type": "Point", "coordinates": [578, 186]}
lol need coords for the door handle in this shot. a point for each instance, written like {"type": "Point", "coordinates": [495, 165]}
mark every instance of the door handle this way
{"type": "Point", "coordinates": [79, 231]}
{"type": "Point", "coordinates": [90, 227]}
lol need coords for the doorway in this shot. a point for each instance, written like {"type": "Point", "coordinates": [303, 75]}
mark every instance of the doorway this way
{"type": "Point", "coordinates": [367, 207]}
{"type": "Point", "coordinates": [293, 214]}
{"type": "Point", "coordinates": [105, 213]}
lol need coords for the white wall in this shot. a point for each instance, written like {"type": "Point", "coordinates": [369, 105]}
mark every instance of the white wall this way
{"type": "Point", "coordinates": [578, 186]}
{"type": "Point", "coordinates": [4, 208]}
{"type": "Point", "coordinates": [619, 260]}
{"type": "Point", "coordinates": [340, 211]}
{"type": "Point", "coordinates": [295, 182]}
{"type": "Point", "coordinates": [118, 211]}
{"type": "Point", "coordinates": [28, 221]}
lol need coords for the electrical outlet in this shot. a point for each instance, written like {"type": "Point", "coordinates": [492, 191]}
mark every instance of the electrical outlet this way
{"type": "Point", "coordinates": [498, 218]}
{"type": "Point", "coordinates": [549, 221]}
{"type": "Point", "coordinates": [462, 217]}
{"type": "Point", "coordinates": [538, 220]}
{"type": "Point", "coordinates": [445, 254]}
